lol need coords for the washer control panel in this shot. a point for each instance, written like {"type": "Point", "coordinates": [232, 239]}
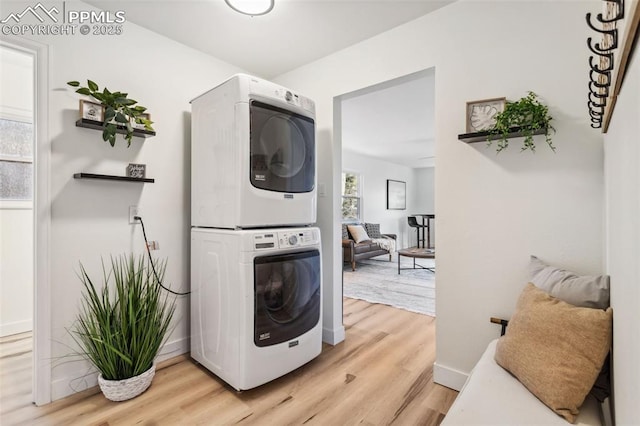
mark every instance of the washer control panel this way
{"type": "Point", "coordinates": [297, 238]}
{"type": "Point", "coordinates": [268, 240]}
{"type": "Point", "coordinates": [279, 239]}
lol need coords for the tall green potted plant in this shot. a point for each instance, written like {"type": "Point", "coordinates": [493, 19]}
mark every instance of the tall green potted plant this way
{"type": "Point", "coordinates": [122, 326]}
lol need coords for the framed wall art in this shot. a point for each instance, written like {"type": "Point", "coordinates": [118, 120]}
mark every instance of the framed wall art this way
{"type": "Point", "coordinates": [396, 195]}
{"type": "Point", "coordinates": [138, 125]}
{"type": "Point", "coordinates": [137, 170]}
{"type": "Point", "coordinates": [91, 111]}
{"type": "Point", "coordinates": [481, 114]}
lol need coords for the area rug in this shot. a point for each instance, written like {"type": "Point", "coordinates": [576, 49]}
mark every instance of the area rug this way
{"type": "Point", "coordinates": [377, 281]}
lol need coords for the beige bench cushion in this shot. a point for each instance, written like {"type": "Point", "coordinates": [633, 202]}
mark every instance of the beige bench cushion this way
{"type": "Point", "coordinates": [492, 396]}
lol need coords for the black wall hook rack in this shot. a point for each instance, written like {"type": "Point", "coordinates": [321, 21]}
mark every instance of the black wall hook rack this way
{"type": "Point", "coordinates": [619, 13]}
{"type": "Point", "coordinates": [601, 63]}
{"type": "Point", "coordinates": [607, 68]}
{"type": "Point", "coordinates": [599, 102]}
{"type": "Point", "coordinates": [599, 93]}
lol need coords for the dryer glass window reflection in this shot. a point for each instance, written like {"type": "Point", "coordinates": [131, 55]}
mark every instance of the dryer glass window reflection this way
{"type": "Point", "coordinates": [282, 149]}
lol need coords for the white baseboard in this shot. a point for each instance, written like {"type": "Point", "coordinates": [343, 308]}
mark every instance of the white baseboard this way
{"type": "Point", "coordinates": [449, 377]}
{"type": "Point", "coordinates": [174, 348]}
{"type": "Point", "coordinates": [16, 327]}
{"type": "Point", "coordinates": [80, 381]}
{"type": "Point", "coordinates": [69, 385]}
{"type": "Point", "coordinates": [333, 337]}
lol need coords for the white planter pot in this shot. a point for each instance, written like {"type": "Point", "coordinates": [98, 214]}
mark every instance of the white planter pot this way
{"type": "Point", "coordinates": [121, 390]}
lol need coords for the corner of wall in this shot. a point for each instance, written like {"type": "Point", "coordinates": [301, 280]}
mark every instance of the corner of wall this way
{"type": "Point", "coordinates": [449, 377]}
{"type": "Point", "coordinates": [333, 337]}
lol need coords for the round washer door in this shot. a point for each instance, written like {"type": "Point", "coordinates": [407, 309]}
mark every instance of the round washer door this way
{"type": "Point", "coordinates": [287, 296]}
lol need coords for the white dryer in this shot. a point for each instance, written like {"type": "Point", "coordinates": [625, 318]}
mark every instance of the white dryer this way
{"type": "Point", "coordinates": [253, 156]}
{"type": "Point", "coordinates": [256, 302]}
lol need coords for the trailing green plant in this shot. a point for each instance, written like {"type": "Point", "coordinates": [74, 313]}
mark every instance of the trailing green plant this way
{"type": "Point", "coordinates": [119, 111]}
{"type": "Point", "coordinates": [121, 327]}
{"type": "Point", "coordinates": [527, 115]}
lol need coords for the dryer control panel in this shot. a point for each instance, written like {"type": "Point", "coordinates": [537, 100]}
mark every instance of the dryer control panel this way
{"type": "Point", "coordinates": [295, 99]}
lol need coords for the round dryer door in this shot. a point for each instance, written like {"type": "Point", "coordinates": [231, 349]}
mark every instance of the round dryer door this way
{"type": "Point", "coordinates": [282, 149]}
{"type": "Point", "coordinates": [287, 296]}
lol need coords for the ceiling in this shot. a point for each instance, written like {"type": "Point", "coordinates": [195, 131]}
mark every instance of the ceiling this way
{"type": "Point", "coordinates": [393, 120]}
{"type": "Point", "coordinates": [293, 34]}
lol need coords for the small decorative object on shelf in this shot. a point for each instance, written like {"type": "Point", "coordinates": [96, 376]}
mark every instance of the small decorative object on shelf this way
{"type": "Point", "coordinates": [144, 118]}
{"type": "Point", "coordinates": [91, 111]}
{"type": "Point", "coordinates": [119, 115]}
{"type": "Point", "coordinates": [481, 114]}
{"type": "Point", "coordinates": [136, 170]}
{"type": "Point", "coordinates": [526, 117]}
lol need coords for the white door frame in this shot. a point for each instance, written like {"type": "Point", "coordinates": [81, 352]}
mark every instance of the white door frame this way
{"type": "Point", "coordinates": [41, 219]}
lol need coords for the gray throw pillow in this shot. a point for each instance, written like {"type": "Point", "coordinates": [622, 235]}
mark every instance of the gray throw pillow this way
{"type": "Point", "coordinates": [579, 290]}
{"type": "Point", "coordinates": [373, 230]}
{"type": "Point", "coordinates": [345, 233]}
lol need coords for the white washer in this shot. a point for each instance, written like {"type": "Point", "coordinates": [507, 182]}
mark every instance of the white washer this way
{"type": "Point", "coordinates": [253, 156]}
{"type": "Point", "coordinates": [256, 302]}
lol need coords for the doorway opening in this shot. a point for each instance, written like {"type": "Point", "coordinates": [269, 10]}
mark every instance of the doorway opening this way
{"type": "Point", "coordinates": [24, 223]}
{"type": "Point", "coordinates": [387, 134]}
{"type": "Point", "coordinates": [17, 136]}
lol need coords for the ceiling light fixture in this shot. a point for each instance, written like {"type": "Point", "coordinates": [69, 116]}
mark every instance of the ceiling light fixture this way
{"type": "Point", "coordinates": [251, 7]}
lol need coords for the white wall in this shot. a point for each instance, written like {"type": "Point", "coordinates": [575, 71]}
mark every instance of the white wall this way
{"type": "Point", "coordinates": [493, 210]}
{"type": "Point", "coordinates": [622, 176]}
{"type": "Point", "coordinates": [393, 120]}
{"type": "Point", "coordinates": [425, 189]}
{"type": "Point", "coordinates": [374, 174]}
{"type": "Point", "coordinates": [90, 218]}
{"type": "Point", "coordinates": [425, 194]}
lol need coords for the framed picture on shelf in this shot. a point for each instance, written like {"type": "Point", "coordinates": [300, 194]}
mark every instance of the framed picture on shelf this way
{"type": "Point", "coordinates": [138, 125]}
{"type": "Point", "coordinates": [91, 111]}
{"type": "Point", "coordinates": [136, 170]}
{"type": "Point", "coordinates": [481, 114]}
{"type": "Point", "coordinates": [396, 195]}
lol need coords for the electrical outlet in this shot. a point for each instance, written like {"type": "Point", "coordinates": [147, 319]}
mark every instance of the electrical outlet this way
{"type": "Point", "coordinates": [133, 211]}
{"type": "Point", "coordinates": [154, 245]}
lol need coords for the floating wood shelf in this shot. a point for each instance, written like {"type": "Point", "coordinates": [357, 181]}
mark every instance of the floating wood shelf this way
{"type": "Point", "coordinates": [97, 125]}
{"type": "Point", "coordinates": [484, 136]}
{"type": "Point", "coordinates": [112, 177]}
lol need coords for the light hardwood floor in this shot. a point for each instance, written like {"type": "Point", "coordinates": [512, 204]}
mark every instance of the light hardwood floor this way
{"type": "Point", "coordinates": [381, 374]}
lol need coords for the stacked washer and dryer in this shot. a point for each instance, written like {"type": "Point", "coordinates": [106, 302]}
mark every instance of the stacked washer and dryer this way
{"type": "Point", "coordinates": [256, 277]}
